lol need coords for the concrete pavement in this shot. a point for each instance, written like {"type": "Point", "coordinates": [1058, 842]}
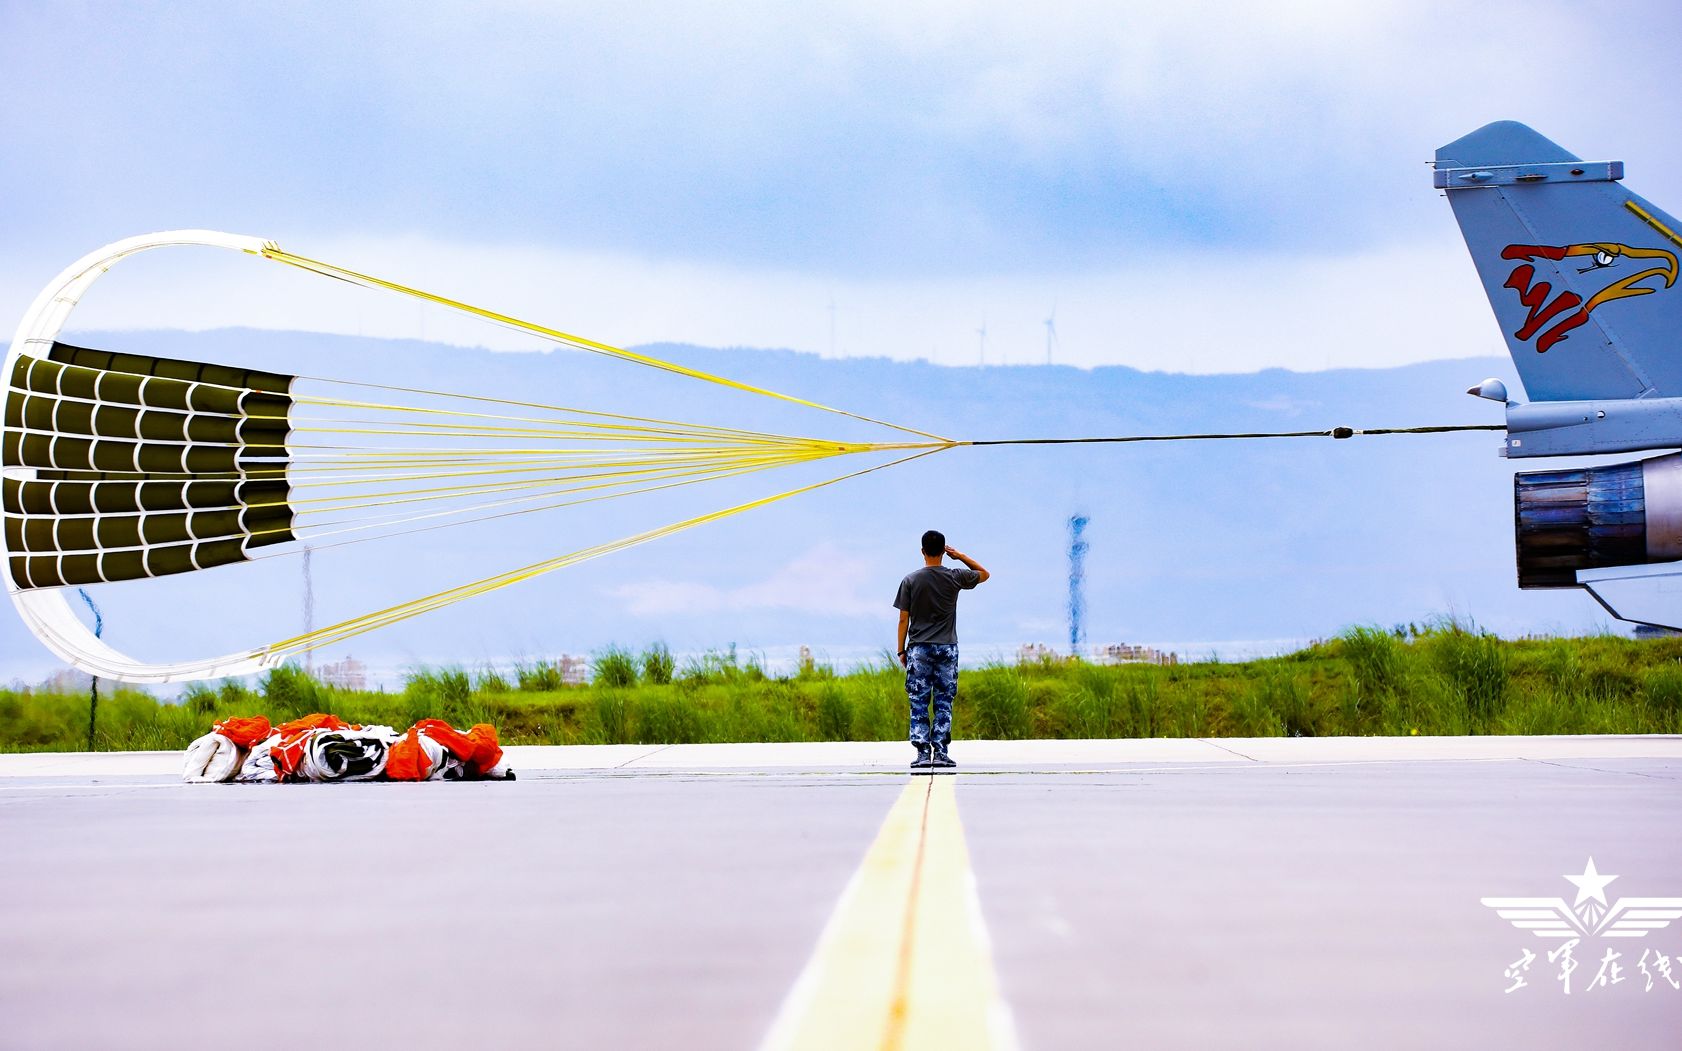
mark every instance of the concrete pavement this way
{"type": "Point", "coordinates": [1171, 893]}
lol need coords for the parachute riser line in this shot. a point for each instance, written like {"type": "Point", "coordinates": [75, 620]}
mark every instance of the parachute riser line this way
{"type": "Point", "coordinates": [1335, 432]}
{"type": "Point", "coordinates": [415, 607]}
{"type": "Point", "coordinates": [555, 335]}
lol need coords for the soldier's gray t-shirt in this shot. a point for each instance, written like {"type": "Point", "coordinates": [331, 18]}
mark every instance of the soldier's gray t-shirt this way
{"type": "Point", "coordinates": [930, 595]}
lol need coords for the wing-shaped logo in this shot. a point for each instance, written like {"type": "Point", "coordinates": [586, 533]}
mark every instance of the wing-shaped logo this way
{"type": "Point", "coordinates": [1543, 917]}
{"type": "Point", "coordinates": [1590, 915]}
{"type": "Point", "coordinates": [1634, 917]}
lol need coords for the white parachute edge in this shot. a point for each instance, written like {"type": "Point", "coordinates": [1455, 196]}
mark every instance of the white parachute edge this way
{"type": "Point", "coordinates": [47, 611]}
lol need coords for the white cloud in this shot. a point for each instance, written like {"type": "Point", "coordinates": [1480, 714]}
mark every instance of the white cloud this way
{"type": "Point", "coordinates": [928, 137]}
{"type": "Point", "coordinates": [720, 175]}
{"type": "Point", "coordinates": [825, 580]}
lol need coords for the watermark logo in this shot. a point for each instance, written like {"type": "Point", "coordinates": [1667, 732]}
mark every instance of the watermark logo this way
{"type": "Point", "coordinates": [1591, 918]}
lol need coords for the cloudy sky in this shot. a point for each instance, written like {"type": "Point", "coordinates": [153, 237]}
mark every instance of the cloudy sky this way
{"type": "Point", "coordinates": [1193, 186]}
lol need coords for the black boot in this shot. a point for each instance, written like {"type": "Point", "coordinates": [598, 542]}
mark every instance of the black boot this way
{"type": "Point", "coordinates": [925, 757]}
{"type": "Point", "coordinates": [941, 759]}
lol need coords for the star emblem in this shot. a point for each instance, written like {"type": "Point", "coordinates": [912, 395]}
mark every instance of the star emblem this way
{"type": "Point", "coordinates": [1590, 916]}
{"type": "Point", "coordinates": [1590, 884]}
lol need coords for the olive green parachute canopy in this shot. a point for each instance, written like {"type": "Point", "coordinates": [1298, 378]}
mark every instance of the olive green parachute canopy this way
{"type": "Point", "coordinates": [142, 466]}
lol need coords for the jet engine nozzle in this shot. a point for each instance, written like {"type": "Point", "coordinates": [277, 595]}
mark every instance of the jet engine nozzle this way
{"type": "Point", "coordinates": [1625, 514]}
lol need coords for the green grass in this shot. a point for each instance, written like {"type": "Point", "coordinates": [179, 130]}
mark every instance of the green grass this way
{"type": "Point", "coordinates": [1447, 678]}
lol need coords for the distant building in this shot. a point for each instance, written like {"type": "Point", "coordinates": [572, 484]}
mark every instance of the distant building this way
{"type": "Point", "coordinates": [807, 665]}
{"type": "Point", "coordinates": [348, 674]}
{"type": "Point", "coordinates": [575, 671]}
{"type": "Point", "coordinates": [1035, 653]}
{"type": "Point", "coordinates": [1124, 653]}
{"type": "Point", "coordinates": [69, 680]}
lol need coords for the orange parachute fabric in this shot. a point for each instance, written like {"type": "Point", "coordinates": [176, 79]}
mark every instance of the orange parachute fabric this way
{"type": "Point", "coordinates": [477, 749]}
{"type": "Point", "coordinates": [244, 731]}
{"type": "Point", "coordinates": [406, 760]}
{"type": "Point", "coordinates": [314, 721]}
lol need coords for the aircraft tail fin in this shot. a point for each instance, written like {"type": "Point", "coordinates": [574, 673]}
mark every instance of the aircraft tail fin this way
{"type": "Point", "coordinates": [1579, 271]}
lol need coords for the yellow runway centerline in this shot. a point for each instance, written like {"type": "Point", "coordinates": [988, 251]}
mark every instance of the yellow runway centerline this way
{"type": "Point", "coordinates": [904, 962]}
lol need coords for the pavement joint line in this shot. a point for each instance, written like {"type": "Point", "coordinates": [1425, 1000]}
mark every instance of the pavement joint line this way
{"type": "Point", "coordinates": [1566, 765]}
{"type": "Point", "coordinates": [1224, 748]}
{"type": "Point", "coordinates": [99, 786]}
{"type": "Point", "coordinates": [645, 755]}
{"type": "Point", "coordinates": [904, 962]}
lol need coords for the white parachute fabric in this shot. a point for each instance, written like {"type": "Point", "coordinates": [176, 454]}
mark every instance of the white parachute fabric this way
{"type": "Point", "coordinates": [346, 755]}
{"type": "Point", "coordinates": [258, 767]}
{"type": "Point", "coordinates": [212, 757]}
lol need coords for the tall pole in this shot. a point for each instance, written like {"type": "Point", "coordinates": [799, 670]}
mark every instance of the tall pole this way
{"type": "Point", "coordinates": [93, 686]}
{"type": "Point", "coordinates": [309, 612]}
{"type": "Point", "coordinates": [1077, 582]}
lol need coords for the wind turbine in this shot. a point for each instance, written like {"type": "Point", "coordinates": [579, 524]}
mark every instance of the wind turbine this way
{"type": "Point", "coordinates": [982, 332]}
{"type": "Point", "coordinates": [1050, 332]}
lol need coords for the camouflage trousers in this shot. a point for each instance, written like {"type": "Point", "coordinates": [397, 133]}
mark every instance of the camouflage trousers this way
{"type": "Point", "coordinates": [931, 675]}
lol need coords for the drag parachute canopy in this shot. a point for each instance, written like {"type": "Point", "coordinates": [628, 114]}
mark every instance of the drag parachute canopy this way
{"type": "Point", "coordinates": [141, 466]}
{"type": "Point", "coordinates": [119, 467]}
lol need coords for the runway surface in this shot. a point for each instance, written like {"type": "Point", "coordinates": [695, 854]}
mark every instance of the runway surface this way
{"type": "Point", "coordinates": [1052, 894]}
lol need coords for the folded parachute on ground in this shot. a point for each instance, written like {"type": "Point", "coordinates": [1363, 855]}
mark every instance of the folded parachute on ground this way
{"type": "Point", "coordinates": [324, 748]}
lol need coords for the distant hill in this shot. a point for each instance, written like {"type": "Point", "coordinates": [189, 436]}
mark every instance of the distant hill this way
{"type": "Point", "coordinates": [1192, 543]}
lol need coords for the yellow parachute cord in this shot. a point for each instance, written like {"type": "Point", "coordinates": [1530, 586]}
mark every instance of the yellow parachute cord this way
{"type": "Point", "coordinates": [329, 270]}
{"type": "Point", "coordinates": [415, 607]}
